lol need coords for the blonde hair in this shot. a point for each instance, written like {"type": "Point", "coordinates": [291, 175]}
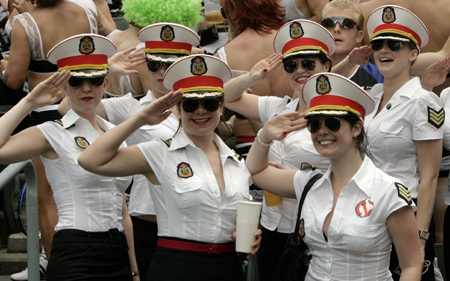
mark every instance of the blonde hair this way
{"type": "Point", "coordinates": [346, 4]}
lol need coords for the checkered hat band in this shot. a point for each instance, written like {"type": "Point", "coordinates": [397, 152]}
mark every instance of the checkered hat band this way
{"type": "Point", "coordinates": [196, 82]}
{"type": "Point", "coordinates": [167, 47]}
{"type": "Point", "coordinates": [92, 61]}
{"type": "Point", "coordinates": [331, 102]}
{"type": "Point", "coordinates": [300, 44]}
{"type": "Point", "coordinates": [397, 29]}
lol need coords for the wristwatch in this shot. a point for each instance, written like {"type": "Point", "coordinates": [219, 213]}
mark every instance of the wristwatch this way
{"type": "Point", "coordinates": [134, 273]}
{"type": "Point", "coordinates": [423, 234]}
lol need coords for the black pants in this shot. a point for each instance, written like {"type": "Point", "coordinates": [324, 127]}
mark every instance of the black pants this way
{"type": "Point", "coordinates": [270, 250]}
{"type": "Point", "coordinates": [81, 255]}
{"type": "Point", "coordinates": [427, 271]}
{"type": "Point", "coordinates": [176, 265]}
{"type": "Point", "coordinates": [447, 242]}
{"type": "Point", "coordinates": [145, 235]}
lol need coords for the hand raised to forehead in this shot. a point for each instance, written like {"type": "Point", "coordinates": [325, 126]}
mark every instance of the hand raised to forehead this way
{"type": "Point", "coordinates": [265, 67]}
{"type": "Point", "coordinates": [50, 90]}
{"type": "Point", "coordinates": [158, 111]}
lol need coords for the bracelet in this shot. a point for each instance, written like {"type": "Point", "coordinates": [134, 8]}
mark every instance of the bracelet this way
{"type": "Point", "coordinates": [260, 141]}
{"type": "Point", "coordinates": [134, 273]}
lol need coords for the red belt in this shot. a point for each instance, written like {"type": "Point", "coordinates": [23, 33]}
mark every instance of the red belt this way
{"type": "Point", "coordinates": [215, 249]}
{"type": "Point", "coordinates": [245, 139]}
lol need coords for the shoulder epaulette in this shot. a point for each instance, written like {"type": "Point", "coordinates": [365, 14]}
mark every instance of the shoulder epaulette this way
{"type": "Point", "coordinates": [306, 166]}
{"type": "Point", "coordinates": [168, 142]}
{"type": "Point", "coordinates": [239, 157]}
{"type": "Point", "coordinates": [58, 121]}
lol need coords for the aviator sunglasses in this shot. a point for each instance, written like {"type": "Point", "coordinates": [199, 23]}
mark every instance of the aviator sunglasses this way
{"type": "Point", "coordinates": [155, 66]}
{"type": "Point", "coordinates": [332, 124]}
{"type": "Point", "coordinates": [394, 45]}
{"type": "Point", "coordinates": [76, 82]}
{"type": "Point", "coordinates": [291, 65]}
{"type": "Point", "coordinates": [190, 105]}
{"type": "Point", "coordinates": [343, 22]}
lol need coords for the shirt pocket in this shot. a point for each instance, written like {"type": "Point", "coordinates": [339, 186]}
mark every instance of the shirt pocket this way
{"type": "Point", "coordinates": [363, 238]}
{"type": "Point", "coordinates": [188, 191]}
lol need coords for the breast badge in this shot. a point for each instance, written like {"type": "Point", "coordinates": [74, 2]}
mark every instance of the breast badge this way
{"type": "Point", "coordinates": [184, 170]}
{"type": "Point", "coordinates": [364, 208]}
{"type": "Point", "coordinates": [81, 142]}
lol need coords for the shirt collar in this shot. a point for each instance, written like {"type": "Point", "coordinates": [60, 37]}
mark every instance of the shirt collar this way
{"type": "Point", "coordinates": [181, 140]}
{"type": "Point", "coordinates": [71, 118]}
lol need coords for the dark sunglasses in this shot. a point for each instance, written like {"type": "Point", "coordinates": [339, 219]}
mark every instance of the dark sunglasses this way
{"type": "Point", "coordinates": [76, 82]}
{"type": "Point", "coordinates": [393, 45]}
{"type": "Point", "coordinates": [155, 66]}
{"type": "Point", "coordinates": [291, 65]}
{"type": "Point", "coordinates": [190, 105]}
{"type": "Point", "coordinates": [343, 22]}
{"type": "Point", "coordinates": [332, 123]}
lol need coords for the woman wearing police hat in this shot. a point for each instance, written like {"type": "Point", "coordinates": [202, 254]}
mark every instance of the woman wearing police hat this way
{"type": "Point", "coordinates": [197, 180]}
{"type": "Point", "coordinates": [353, 213]}
{"type": "Point", "coordinates": [405, 130]}
{"type": "Point", "coordinates": [90, 241]}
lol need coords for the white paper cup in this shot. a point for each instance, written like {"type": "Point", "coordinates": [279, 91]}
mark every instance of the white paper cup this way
{"type": "Point", "coordinates": [248, 214]}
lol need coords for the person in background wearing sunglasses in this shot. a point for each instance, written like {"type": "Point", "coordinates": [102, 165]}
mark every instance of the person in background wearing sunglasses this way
{"type": "Point", "coordinates": [165, 43]}
{"type": "Point", "coordinates": [353, 213]}
{"type": "Point", "coordinates": [197, 180]}
{"type": "Point", "coordinates": [304, 48]}
{"type": "Point", "coordinates": [94, 236]}
{"type": "Point", "coordinates": [139, 14]}
{"type": "Point", "coordinates": [405, 130]}
{"type": "Point", "coordinates": [345, 21]}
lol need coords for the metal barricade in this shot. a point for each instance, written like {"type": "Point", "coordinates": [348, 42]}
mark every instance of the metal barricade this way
{"type": "Point", "coordinates": [7, 175]}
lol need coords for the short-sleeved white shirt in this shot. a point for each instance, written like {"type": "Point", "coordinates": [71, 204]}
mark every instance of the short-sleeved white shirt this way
{"type": "Point", "coordinates": [359, 244]}
{"type": "Point", "coordinates": [445, 97]}
{"type": "Point", "coordinates": [121, 109]}
{"type": "Point", "coordinates": [295, 149]}
{"type": "Point", "coordinates": [85, 201]}
{"type": "Point", "coordinates": [393, 132]}
{"type": "Point", "coordinates": [188, 201]}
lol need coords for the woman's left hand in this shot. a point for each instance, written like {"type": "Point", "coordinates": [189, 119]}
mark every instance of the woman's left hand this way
{"type": "Point", "coordinates": [255, 244]}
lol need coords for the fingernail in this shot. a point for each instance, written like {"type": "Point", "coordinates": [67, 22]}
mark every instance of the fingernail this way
{"type": "Point", "coordinates": [265, 70]}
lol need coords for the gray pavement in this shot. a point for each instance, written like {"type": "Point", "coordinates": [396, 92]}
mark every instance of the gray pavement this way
{"type": "Point", "coordinates": [4, 278]}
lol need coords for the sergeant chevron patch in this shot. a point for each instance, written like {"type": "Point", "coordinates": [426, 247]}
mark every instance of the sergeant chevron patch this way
{"type": "Point", "coordinates": [436, 118]}
{"type": "Point", "coordinates": [403, 193]}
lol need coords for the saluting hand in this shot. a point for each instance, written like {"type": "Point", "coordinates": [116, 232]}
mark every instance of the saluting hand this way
{"type": "Point", "coordinates": [50, 90]}
{"type": "Point", "coordinates": [435, 74]}
{"type": "Point", "coordinates": [279, 126]}
{"type": "Point", "coordinates": [265, 67]}
{"type": "Point", "coordinates": [158, 111]}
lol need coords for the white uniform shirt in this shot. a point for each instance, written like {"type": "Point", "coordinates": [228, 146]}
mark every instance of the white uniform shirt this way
{"type": "Point", "coordinates": [121, 109]}
{"type": "Point", "coordinates": [188, 201]}
{"type": "Point", "coordinates": [296, 148]}
{"type": "Point", "coordinates": [85, 201]}
{"type": "Point", "coordinates": [445, 97]}
{"type": "Point", "coordinates": [393, 132]}
{"type": "Point", "coordinates": [359, 244]}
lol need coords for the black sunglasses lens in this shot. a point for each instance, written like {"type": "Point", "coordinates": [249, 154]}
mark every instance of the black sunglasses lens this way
{"type": "Point", "coordinates": [154, 66]}
{"type": "Point", "coordinates": [377, 45]}
{"type": "Point", "coordinates": [211, 104]}
{"type": "Point", "coordinates": [190, 105]}
{"type": "Point", "coordinates": [290, 66]}
{"type": "Point", "coordinates": [313, 125]}
{"type": "Point", "coordinates": [75, 82]}
{"type": "Point", "coordinates": [333, 124]}
{"type": "Point", "coordinates": [328, 22]}
{"type": "Point", "coordinates": [348, 23]}
{"type": "Point", "coordinates": [309, 64]}
{"type": "Point", "coordinates": [98, 81]}
{"type": "Point", "coordinates": [395, 46]}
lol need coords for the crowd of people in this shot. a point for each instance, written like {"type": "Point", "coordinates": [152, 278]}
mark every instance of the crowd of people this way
{"type": "Point", "coordinates": [133, 134]}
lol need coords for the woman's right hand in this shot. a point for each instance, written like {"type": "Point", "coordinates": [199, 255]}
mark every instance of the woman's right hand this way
{"type": "Point", "coordinates": [50, 90]}
{"type": "Point", "coordinates": [265, 67]}
{"type": "Point", "coordinates": [158, 111]}
{"type": "Point", "coordinates": [279, 126]}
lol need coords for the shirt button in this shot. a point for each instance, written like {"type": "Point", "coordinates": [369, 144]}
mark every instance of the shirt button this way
{"type": "Point", "coordinates": [388, 106]}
